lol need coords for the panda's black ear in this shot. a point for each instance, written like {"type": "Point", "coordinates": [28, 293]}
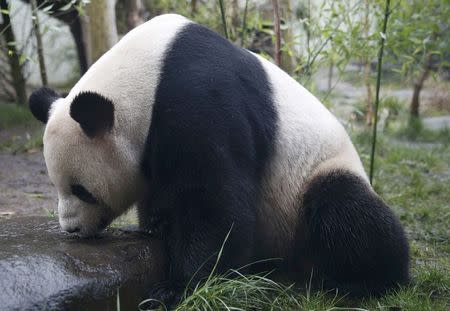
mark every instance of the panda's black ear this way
{"type": "Point", "coordinates": [41, 101]}
{"type": "Point", "coordinates": [94, 113]}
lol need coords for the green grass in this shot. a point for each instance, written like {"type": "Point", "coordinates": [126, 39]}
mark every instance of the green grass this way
{"type": "Point", "coordinates": [414, 179]}
{"type": "Point", "coordinates": [413, 130]}
{"type": "Point", "coordinates": [12, 115]}
{"type": "Point", "coordinates": [31, 140]}
{"type": "Point", "coordinates": [22, 132]}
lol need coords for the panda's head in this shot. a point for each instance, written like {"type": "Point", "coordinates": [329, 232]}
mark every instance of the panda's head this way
{"type": "Point", "coordinates": [90, 162]}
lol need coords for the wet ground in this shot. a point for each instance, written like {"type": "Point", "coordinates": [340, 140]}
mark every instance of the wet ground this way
{"type": "Point", "coordinates": [42, 268]}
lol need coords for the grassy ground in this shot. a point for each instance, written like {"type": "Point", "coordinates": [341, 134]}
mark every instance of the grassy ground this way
{"type": "Point", "coordinates": [19, 130]}
{"type": "Point", "coordinates": [11, 115]}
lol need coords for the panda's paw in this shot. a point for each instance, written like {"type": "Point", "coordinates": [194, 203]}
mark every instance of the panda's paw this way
{"type": "Point", "coordinates": [156, 225]}
{"type": "Point", "coordinates": [162, 297]}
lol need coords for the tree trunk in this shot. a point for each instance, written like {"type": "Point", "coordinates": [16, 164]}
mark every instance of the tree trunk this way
{"type": "Point", "coordinates": [287, 59]}
{"type": "Point", "coordinates": [194, 8]}
{"type": "Point", "coordinates": [99, 28]}
{"type": "Point", "coordinates": [134, 13]}
{"type": "Point", "coordinates": [418, 85]}
{"type": "Point", "coordinates": [276, 22]}
{"type": "Point", "coordinates": [235, 22]}
{"type": "Point", "coordinates": [307, 67]}
{"type": "Point", "coordinates": [73, 20]}
{"type": "Point", "coordinates": [12, 55]}
{"type": "Point", "coordinates": [80, 43]}
{"type": "Point", "coordinates": [40, 48]}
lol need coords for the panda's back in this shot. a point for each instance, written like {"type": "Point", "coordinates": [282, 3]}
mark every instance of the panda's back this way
{"type": "Point", "coordinates": [213, 117]}
{"type": "Point", "coordinates": [216, 101]}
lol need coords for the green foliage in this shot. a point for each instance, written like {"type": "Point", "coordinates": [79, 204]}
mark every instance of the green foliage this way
{"type": "Point", "coordinates": [418, 28]}
{"type": "Point", "coordinates": [334, 35]}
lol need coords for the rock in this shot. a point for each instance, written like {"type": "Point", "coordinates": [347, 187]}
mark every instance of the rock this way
{"type": "Point", "coordinates": [42, 268]}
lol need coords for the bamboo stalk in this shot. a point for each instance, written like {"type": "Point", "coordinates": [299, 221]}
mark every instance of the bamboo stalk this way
{"type": "Point", "coordinates": [377, 95]}
{"type": "Point", "coordinates": [224, 20]}
{"type": "Point", "coordinates": [244, 24]}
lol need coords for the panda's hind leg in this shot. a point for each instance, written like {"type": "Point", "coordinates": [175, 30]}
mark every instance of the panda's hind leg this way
{"type": "Point", "coordinates": [348, 238]}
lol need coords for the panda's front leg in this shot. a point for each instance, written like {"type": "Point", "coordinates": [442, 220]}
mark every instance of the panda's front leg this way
{"type": "Point", "coordinates": [153, 217]}
{"type": "Point", "coordinates": [202, 223]}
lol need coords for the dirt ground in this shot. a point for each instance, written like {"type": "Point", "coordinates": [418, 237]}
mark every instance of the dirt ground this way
{"type": "Point", "coordinates": [25, 188]}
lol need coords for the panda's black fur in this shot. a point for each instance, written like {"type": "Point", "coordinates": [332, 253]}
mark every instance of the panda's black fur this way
{"type": "Point", "coordinates": [211, 136]}
{"type": "Point", "coordinates": [213, 132]}
{"type": "Point", "coordinates": [350, 237]}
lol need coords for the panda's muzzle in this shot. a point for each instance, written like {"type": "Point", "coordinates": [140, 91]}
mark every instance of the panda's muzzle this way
{"type": "Point", "coordinates": [73, 230]}
{"type": "Point", "coordinates": [84, 220]}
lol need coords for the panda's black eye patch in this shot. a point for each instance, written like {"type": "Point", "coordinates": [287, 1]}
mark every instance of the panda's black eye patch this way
{"type": "Point", "coordinates": [81, 193]}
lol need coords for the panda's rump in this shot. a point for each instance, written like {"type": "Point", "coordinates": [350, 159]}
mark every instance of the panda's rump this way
{"type": "Point", "coordinates": [309, 140]}
{"type": "Point", "coordinates": [287, 179]}
{"type": "Point", "coordinates": [349, 237]}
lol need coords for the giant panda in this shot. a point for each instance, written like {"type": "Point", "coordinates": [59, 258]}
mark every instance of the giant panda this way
{"type": "Point", "coordinates": [220, 150]}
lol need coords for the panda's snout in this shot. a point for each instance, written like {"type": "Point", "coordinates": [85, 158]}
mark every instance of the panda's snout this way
{"type": "Point", "coordinates": [73, 230]}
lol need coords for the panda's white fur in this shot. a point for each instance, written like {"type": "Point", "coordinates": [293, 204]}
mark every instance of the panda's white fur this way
{"type": "Point", "coordinates": [310, 141]}
{"type": "Point", "coordinates": [114, 176]}
{"type": "Point", "coordinates": [310, 138]}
